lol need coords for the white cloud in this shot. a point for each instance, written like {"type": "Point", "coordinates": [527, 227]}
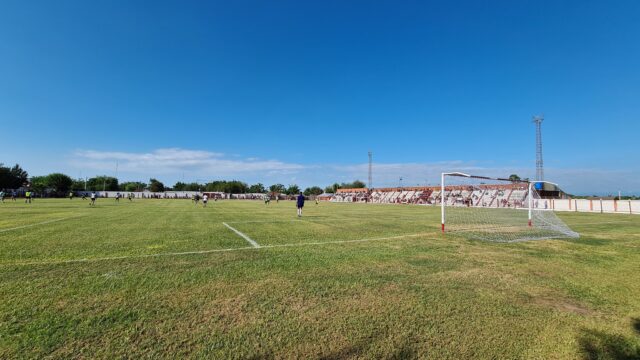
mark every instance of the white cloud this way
{"type": "Point", "coordinates": [174, 160]}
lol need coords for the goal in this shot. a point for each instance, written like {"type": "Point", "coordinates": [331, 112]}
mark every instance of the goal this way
{"type": "Point", "coordinates": [496, 209]}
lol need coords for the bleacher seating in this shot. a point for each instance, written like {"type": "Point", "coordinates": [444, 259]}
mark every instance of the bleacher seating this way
{"type": "Point", "coordinates": [507, 195]}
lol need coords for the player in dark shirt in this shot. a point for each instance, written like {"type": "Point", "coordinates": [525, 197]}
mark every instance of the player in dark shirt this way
{"type": "Point", "coordinates": [300, 204]}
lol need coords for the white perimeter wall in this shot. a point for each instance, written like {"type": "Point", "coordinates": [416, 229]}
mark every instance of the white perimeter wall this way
{"type": "Point", "coordinates": [603, 206]}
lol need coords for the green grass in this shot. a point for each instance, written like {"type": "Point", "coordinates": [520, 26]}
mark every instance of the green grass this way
{"type": "Point", "coordinates": [86, 284]}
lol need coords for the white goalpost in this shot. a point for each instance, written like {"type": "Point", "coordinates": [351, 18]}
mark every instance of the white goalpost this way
{"type": "Point", "coordinates": [497, 209]}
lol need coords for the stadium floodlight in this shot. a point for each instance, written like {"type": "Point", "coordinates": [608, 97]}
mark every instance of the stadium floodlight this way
{"type": "Point", "coordinates": [497, 209]}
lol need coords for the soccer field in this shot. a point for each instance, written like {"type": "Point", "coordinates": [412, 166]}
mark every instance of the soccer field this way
{"type": "Point", "coordinates": [241, 279]}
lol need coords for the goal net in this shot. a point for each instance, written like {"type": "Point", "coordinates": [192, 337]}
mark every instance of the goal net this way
{"type": "Point", "coordinates": [497, 209]}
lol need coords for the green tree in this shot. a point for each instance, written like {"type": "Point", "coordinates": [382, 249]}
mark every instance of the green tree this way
{"type": "Point", "coordinates": [6, 179]}
{"type": "Point", "coordinates": [314, 190]}
{"type": "Point", "coordinates": [514, 177]}
{"type": "Point", "coordinates": [179, 186]}
{"type": "Point", "coordinates": [353, 185]}
{"type": "Point", "coordinates": [39, 184]}
{"type": "Point", "coordinates": [277, 188]}
{"type": "Point", "coordinates": [155, 185]}
{"type": "Point", "coordinates": [20, 177]}
{"type": "Point", "coordinates": [236, 187]}
{"type": "Point", "coordinates": [60, 183]}
{"type": "Point", "coordinates": [194, 187]}
{"type": "Point", "coordinates": [103, 182]}
{"type": "Point", "coordinates": [293, 189]}
{"type": "Point", "coordinates": [78, 185]}
{"type": "Point", "coordinates": [12, 178]}
{"type": "Point", "coordinates": [331, 189]}
{"type": "Point", "coordinates": [256, 188]}
{"type": "Point", "coordinates": [216, 185]}
{"type": "Point", "coordinates": [131, 186]}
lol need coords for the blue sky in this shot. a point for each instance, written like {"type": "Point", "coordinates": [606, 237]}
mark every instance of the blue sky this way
{"type": "Point", "coordinates": [298, 92]}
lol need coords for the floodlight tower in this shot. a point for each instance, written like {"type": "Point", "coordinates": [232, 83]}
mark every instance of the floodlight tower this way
{"type": "Point", "coordinates": [539, 164]}
{"type": "Point", "coordinates": [370, 176]}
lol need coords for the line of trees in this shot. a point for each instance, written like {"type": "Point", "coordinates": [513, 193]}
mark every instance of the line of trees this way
{"type": "Point", "coordinates": [353, 185]}
{"type": "Point", "coordinates": [15, 177]}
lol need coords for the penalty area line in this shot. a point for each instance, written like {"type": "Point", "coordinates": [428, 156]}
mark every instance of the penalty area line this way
{"type": "Point", "coordinates": [203, 252]}
{"type": "Point", "coordinates": [249, 240]}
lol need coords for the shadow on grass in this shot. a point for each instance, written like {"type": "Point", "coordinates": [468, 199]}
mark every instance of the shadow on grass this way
{"type": "Point", "coordinates": [357, 351]}
{"type": "Point", "coordinates": [600, 345]}
{"type": "Point", "coordinates": [635, 323]}
{"type": "Point", "coordinates": [346, 352]}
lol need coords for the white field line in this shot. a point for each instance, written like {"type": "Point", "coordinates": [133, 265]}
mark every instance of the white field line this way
{"type": "Point", "coordinates": [83, 260]}
{"type": "Point", "coordinates": [249, 240]}
{"type": "Point", "coordinates": [317, 220]}
{"type": "Point", "coordinates": [36, 224]}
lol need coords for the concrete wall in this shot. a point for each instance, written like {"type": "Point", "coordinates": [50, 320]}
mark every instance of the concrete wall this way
{"type": "Point", "coordinates": [597, 206]}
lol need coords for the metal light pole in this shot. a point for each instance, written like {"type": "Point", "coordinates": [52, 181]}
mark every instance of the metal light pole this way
{"type": "Point", "coordinates": [539, 164]}
{"type": "Point", "coordinates": [370, 170]}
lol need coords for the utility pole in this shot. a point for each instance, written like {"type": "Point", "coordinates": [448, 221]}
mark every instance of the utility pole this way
{"type": "Point", "coordinates": [539, 164]}
{"type": "Point", "coordinates": [370, 171]}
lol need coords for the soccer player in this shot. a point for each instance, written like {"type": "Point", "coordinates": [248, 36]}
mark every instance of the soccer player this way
{"type": "Point", "coordinates": [300, 204]}
{"type": "Point", "coordinates": [118, 197]}
{"type": "Point", "coordinates": [93, 199]}
{"type": "Point", "coordinates": [267, 199]}
{"type": "Point", "coordinates": [2, 195]}
{"type": "Point", "coordinates": [71, 195]}
{"type": "Point", "coordinates": [196, 198]}
{"type": "Point", "coordinates": [205, 198]}
{"type": "Point", "coordinates": [130, 197]}
{"type": "Point", "coordinates": [27, 197]}
{"type": "Point", "coordinates": [13, 195]}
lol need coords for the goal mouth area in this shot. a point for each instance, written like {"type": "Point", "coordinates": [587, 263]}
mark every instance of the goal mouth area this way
{"type": "Point", "coordinates": [486, 208]}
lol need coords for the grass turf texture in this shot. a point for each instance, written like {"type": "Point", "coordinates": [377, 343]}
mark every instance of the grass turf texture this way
{"type": "Point", "coordinates": [85, 282]}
